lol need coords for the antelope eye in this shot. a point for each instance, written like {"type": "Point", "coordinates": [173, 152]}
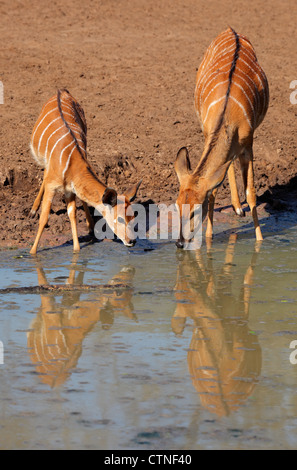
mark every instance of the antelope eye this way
{"type": "Point", "coordinates": [121, 220]}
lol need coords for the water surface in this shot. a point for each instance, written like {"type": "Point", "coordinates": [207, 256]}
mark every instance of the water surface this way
{"type": "Point", "coordinates": [182, 350]}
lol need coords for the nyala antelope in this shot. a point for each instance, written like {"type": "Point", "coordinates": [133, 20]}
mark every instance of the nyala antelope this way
{"type": "Point", "coordinates": [231, 100]}
{"type": "Point", "coordinates": [224, 358]}
{"type": "Point", "coordinates": [56, 335]}
{"type": "Point", "coordinates": [58, 144]}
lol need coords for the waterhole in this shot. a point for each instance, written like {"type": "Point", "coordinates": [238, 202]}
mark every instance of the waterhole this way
{"type": "Point", "coordinates": [175, 350]}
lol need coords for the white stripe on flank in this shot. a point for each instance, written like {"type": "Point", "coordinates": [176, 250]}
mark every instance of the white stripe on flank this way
{"type": "Point", "coordinates": [72, 124]}
{"type": "Point", "coordinates": [41, 137]}
{"type": "Point", "coordinates": [249, 45]}
{"type": "Point", "coordinates": [213, 88]}
{"type": "Point", "coordinates": [225, 60]}
{"type": "Point", "coordinates": [256, 98]}
{"type": "Point", "coordinates": [68, 162]}
{"type": "Point", "coordinates": [260, 70]}
{"type": "Point", "coordinates": [55, 109]}
{"type": "Point", "coordinates": [255, 95]}
{"type": "Point", "coordinates": [78, 137]}
{"type": "Point", "coordinates": [63, 136]}
{"type": "Point", "coordinates": [259, 79]}
{"type": "Point", "coordinates": [66, 147]}
{"type": "Point", "coordinates": [223, 41]}
{"type": "Point", "coordinates": [79, 141]}
{"type": "Point", "coordinates": [215, 64]}
{"type": "Point", "coordinates": [248, 77]}
{"type": "Point", "coordinates": [67, 105]}
{"type": "Point", "coordinates": [68, 114]}
{"type": "Point", "coordinates": [203, 86]}
{"type": "Point", "coordinates": [47, 142]}
{"type": "Point", "coordinates": [250, 103]}
{"type": "Point", "coordinates": [76, 128]}
{"type": "Point", "coordinates": [217, 68]}
{"type": "Point", "coordinates": [236, 101]}
{"type": "Point", "coordinates": [208, 82]}
{"type": "Point", "coordinates": [243, 110]}
{"type": "Point", "coordinates": [83, 149]}
{"type": "Point", "coordinates": [253, 59]}
{"type": "Point", "coordinates": [227, 46]}
{"type": "Point", "coordinates": [213, 104]}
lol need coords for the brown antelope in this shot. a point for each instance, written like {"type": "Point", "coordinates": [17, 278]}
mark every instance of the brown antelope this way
{"type": "Point", "coordinates": [58, 144]}
{"type": "Point", "coordinates": [231, 100]}
{"type": "Point", "coordinates": [224, 358]}
{"type": "Point", "coordinates": [56, 336]}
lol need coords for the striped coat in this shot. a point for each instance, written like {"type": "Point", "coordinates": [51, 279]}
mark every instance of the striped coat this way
{"type": "Point", "coordinates": [59, 144]}
{"type": "Point", "coordinates": [230, 80]}
{"type": "Point", "coordinates": [60, 129]}
{"type": "Point", "coordinates": [231, 100]}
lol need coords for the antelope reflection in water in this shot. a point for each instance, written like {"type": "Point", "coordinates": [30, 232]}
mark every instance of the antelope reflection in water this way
{"type": "Point", "coordinates": [224, 357]}
{"type": "Point", "coordinates": [57, 333]}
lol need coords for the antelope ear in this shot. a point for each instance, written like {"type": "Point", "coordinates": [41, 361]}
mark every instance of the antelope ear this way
{"type": "Point", "coordinates": [110, 197]}
{"type": "Point", "coordinates": [182, 163]}
{"type": "Point", "coordinates": [132, 192]}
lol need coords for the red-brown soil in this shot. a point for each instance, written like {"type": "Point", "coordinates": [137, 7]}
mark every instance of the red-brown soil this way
{"type": "Point", "coordinates": [132, 66]}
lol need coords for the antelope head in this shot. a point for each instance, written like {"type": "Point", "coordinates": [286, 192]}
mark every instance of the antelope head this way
{"type": "Point", "coordinates": [195, 188]}
{"type": "Point", "coordinates": [118, 213]}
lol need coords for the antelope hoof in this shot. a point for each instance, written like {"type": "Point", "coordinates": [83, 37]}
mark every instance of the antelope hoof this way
{"type": "Point", "coordinates": [179, 244]}
{"type": "Point", "coordinates": [239, 211]}
{"type": "Point", "coordinates": [32, 214]}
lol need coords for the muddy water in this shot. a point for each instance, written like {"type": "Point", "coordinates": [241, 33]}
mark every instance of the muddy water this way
{"type": "Point", "coordinates": [179, 351]}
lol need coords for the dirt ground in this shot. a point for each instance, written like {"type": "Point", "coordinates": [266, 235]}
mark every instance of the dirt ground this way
{"type": "Point", "coordinates": [132, 66]}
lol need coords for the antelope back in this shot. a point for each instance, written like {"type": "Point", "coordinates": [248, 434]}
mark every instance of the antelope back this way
{"type": "Point", "coordinates": [59, 131]}
{"type": "Point", "coordinates": [230, 85]}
